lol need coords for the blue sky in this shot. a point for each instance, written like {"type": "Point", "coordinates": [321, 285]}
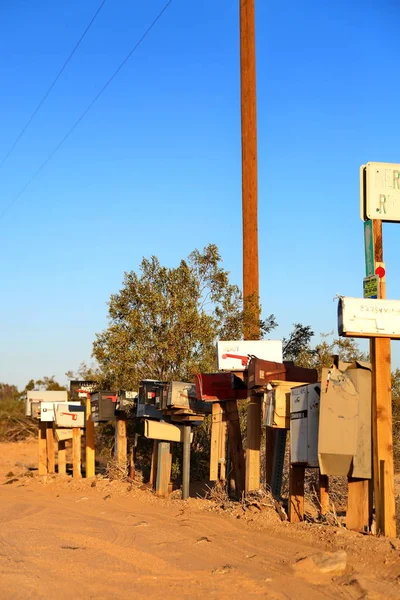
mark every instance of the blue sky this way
{"type": "Point", "coordinates": [155, 168]}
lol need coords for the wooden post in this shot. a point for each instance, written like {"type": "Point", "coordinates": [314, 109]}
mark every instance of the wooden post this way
{"type": "Point", "coordinates": [324, 493]}
{"type": "Point", "coordinates": [163, 468]}
{"type": "Point", "coordinates": [132, 463]}
{"type": "Point", "coordinates": [51, 458]}
{"type": "Point", "coordinates": [253, 465]}
{"type": "Point", "coordinates": [270, 436]}
{"type": "Point", "coordinates": [154, 463]}
{"type": "Point", "coordinates": [222, 449]}
{"type": "Point", "coordinates": [216, 426]}
{"type": "Point", "coordinates": [279, 461]}
{"type": "Point", "coordinates": [296, 493]}
{"type": "Point", "coordinates": [121, 443]}
{"type": "Point", "coordinates": [385, 510]}
{"type": "Point", "coordinates": [186, 461]}
{"type": "Point", "coordinates": [76, 452]}
{"type": "Point", "coordinates": [357, 514]}
{"type": "Point", "coordinates": [62, 458]}
{"type": "Point", "coordinates": [42, 447]}
{"type": "Point", "coordinates": [90, 443]}
{"type": "Point", "coordinates": [235, 444]}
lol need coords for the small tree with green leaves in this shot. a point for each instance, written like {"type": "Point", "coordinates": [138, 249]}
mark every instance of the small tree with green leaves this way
{"type": "Point", "coordinates": [165, 321]}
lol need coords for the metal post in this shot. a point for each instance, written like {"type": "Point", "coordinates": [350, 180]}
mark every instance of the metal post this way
{"type": "Point", "coordinates": [186, 462]}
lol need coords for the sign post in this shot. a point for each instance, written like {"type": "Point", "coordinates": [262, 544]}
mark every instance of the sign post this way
{"type": "Point", "coordinates": [380, 201]}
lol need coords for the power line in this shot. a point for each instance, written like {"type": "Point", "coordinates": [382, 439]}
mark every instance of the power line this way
{"type": "Point", "coordinates": [105, 86]}
{"type": "Point", "coordinates": [60, 72]}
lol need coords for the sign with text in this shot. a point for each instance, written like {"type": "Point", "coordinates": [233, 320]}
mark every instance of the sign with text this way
{"type": "Point", "coordinates": [371, 286]}
{"type": "Point", "coordinates": [380, 191]}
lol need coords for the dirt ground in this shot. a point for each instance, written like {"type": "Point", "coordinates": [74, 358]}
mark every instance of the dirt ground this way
{"type": "Point", "coordinates": [62, 538]}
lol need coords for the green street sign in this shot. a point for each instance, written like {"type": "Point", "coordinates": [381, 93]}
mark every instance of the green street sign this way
{"type": "Point", "coordinates": [369, 248]}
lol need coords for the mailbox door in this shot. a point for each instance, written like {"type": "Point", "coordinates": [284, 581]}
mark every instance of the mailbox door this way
{"type": "Point", "coordinates": [312, 425]}
{"type": "Point", "coordinates": [47, 411]}
{"type": "Point", "coordinates": [298, 425]}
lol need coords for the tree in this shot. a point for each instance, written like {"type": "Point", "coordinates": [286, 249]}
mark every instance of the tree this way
{"type": "Point", "coordinates": [298, 342]}
{"type": "Point", "coordinates": [297, 347]}
{"type": "Point", "coordinates": [8, 393]}
{"type": "Point", "coordinates": [396, 416]}
{"type": "Point", "coordinates": [85, 373]}
{"type": "Point", "coordinates": [165, 321]}
{"type": "Point", "coordinates": [47, 383]}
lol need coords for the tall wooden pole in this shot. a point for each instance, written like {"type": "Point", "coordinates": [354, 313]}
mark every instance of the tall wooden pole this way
{"type": "Point", "coordinates": [251, 328]}
{"type": "Point", "coordinates": [249, 169]}
{"type": "Point", "coordinates": [385, 510]}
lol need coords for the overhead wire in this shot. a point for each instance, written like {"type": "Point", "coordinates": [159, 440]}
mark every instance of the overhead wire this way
{"type": "Point", "coordinates": [51, 86]}
{"type": "Point", "coordinates": [85, 112]}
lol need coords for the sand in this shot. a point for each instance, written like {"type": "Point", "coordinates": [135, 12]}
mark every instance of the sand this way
{"type": "Point", "coordinates": [68, 539]}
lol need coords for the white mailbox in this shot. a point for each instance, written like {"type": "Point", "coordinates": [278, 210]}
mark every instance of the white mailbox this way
{"type": "Point", "coordinates": [368, 317]}
{"type": "Point", "coordinates": [70, 415]}
{"type": "Point", "coordinates": [304, 420]}
{"type": "Point", "coordinates": [46, 396]}
{"type": "Point", "coordinates": [235, 355]}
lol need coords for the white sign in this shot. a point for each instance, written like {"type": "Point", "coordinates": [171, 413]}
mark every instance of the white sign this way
{"type": "Point", "coordinates": [380, 191]}
{"type": "Point", "coordinates": [366, 317]}
{"type": "Point", "coordinates": [235, 355]}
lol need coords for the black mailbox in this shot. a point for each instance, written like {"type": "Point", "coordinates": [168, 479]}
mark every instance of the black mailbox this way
{"type": "Point", "coordinates": [103, 406]}
{"type": "Point", "coordinates": [127, 402]}
{"type": "Point", "coordinates": [150, 399]}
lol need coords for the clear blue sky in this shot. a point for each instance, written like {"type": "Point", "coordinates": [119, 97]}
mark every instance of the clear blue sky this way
{"type": "Point", "coordinates": [155, 166]}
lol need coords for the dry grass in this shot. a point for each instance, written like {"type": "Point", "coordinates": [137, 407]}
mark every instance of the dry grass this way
{"type": "Point", "coordinates": [115, 471]}
{"type": "Point", "coordinates": [14, 425]}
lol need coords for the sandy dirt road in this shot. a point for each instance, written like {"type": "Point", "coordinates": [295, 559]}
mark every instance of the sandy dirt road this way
{"type": "Point", "coordinates": [64, 539]}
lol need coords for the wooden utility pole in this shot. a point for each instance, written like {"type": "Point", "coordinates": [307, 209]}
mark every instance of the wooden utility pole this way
{"type": "Point", "coordinates": [385, 510]}
{"type": "Point", "coordinates": [250, 224]}
{"type": "Point", "coordinates": [249, 169]}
